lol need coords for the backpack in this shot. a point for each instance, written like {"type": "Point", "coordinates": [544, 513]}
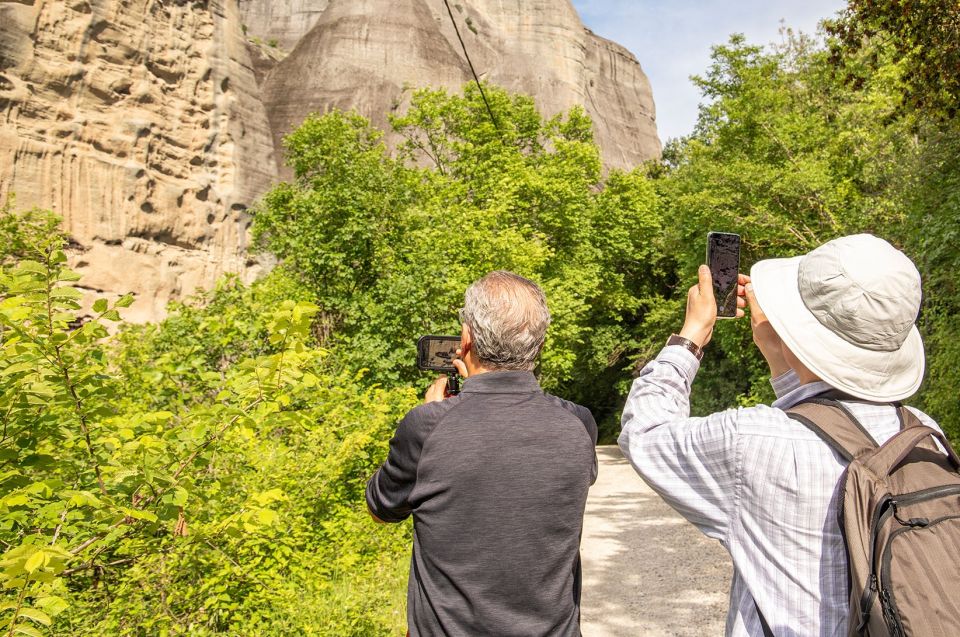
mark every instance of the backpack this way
{"type": "Point", "coordinates": [900, 519]}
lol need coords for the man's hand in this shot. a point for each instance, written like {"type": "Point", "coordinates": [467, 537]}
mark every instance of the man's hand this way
{"type": "Point", "coordinates": [766, 339]}
{"type": "Point", "coordinates": [437, 391]}
{"type": "Point", "coordinates": [702, 307]}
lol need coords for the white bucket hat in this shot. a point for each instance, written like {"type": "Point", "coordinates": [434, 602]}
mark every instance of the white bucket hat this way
{"type": "Point", "coordinates": [847, 311]}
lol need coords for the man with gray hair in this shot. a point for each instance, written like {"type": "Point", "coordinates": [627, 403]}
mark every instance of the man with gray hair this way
{"type": "Point", "coordinates": [496, 479]}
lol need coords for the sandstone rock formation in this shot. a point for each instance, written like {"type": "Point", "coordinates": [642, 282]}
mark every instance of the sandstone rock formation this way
{"type": "Point", "coordinates": [282, 22]}
{"type": "Point", "coordinates": [151, 125]}
{"type": "Point", "coordinates": [366, 54]}
{"type": "Point", "coordinates": [139, 122]}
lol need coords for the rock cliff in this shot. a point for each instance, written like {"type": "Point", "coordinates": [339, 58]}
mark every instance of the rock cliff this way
{"type": "Point", "coordinates": [365, 54]}
{"type": "Point", "coordinates": [151, 125]}
{"type": "Point", "coordinates": [139, 122]}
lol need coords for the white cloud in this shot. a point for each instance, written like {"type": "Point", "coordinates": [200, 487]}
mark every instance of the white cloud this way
{"type": "Point", "coordinates": [672, 40]}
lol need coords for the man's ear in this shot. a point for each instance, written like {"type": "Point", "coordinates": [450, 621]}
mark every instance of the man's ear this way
{"type": "Point", "coordinates": [466, 340]}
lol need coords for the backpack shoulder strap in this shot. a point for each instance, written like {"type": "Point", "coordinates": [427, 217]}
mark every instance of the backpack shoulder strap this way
{"type": "Point", "coordinates": [835, 425]}
{"type": "Point", "coordinates": [896, 450]}
{"type": "Point", "coordinates": [907, 417]}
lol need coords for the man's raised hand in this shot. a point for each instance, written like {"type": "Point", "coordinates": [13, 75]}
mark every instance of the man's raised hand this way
{"type": "Point", "coordinates": [437, 391]}
{"type": "Point", "coordinates": [765, 337]}
{"type": "Point", "coordinates": [702, 308]}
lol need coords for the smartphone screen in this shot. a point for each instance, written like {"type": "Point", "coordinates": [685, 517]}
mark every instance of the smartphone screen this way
{"type": "Point", "coordinates": [436, 353]}
{"type": "Point", "coordinates": [723, 257]}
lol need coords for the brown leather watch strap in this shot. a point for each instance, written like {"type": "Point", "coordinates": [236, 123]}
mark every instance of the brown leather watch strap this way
{"type": "Point", "coordinates": [687, 344]}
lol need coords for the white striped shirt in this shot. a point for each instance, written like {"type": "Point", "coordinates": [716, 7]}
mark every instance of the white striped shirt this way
{"type": "Point", "coordinates": [762, 484]}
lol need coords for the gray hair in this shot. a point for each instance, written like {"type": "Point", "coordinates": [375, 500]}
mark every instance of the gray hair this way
{"type": "Point", "coordinates": [508, 319]}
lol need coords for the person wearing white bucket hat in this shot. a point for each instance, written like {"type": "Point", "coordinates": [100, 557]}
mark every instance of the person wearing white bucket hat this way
{"type": "Point", "coordinates": [838, 321]}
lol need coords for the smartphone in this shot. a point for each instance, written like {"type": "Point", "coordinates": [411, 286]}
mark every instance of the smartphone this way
{"type": "Point", "coordinates": [436, 353]}
{"type": "Point", "coordinates": [723, 257]}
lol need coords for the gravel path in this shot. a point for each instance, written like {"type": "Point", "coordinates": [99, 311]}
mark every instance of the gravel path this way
{"type": "Point", "coordinates": [646, 571]}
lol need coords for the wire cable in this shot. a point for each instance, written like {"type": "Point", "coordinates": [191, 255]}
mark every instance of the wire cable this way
{"type": "Point", "coordinates": [476, 78]}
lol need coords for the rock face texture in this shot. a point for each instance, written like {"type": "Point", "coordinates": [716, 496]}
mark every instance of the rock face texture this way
{"type": "Point", "coordinates": [151, 125]}
{"type": "Point", "coordinates": [282, 22]}
{"type": "Point", "coordinates": [139, 122]}
{"type": "Point", "coordinates": [367, 54]}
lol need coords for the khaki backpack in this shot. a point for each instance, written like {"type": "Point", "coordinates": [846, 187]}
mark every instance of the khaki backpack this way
{"type": "Point", "coordinates": [900, 519]}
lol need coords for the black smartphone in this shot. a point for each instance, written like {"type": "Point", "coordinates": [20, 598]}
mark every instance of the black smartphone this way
{"type": "Point", "coordinates": [723, 257]}
{"type": "Point", "coordinates": [436, 353]}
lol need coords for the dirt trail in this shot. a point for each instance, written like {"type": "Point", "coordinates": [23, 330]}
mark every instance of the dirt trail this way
{"type": "Point", "coordinates": [646, 571]}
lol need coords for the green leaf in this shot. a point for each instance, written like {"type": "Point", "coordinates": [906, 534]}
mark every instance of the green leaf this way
{"type": "Point", "coordinates": [19, 367]}
{"type": "Point", "coordinates": [52, 604]}
{"type": "Point", "coordinates": [35, 561]}
{"type": "Point", "coordinates": [30, 266]}
{"type": "Point", "coordinates": [100, 305]}
{"type": "Point", "coordinates": [180, 496]}
{"type": "Point", "coordinates": [67, 293]}
{"type": "Point", "coordinates": [36, 615]}
{"type": "Point", "coordinates": [267, 516]}
{"type": "Point", "coordinates": [124, 301]}
{"type": "Point", "coordinates": [139, 514]}
{"type": "Point", "coordinates": [25, 629]}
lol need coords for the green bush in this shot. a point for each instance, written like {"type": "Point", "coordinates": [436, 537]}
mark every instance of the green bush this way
{"type": "Point", "coordinates": [200, 476]}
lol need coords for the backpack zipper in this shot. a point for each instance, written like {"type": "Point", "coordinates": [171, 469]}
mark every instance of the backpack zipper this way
{"type": "Point", "coordinates": [891, 613]}
{"type": "Point", "coordinates": [926, 494]}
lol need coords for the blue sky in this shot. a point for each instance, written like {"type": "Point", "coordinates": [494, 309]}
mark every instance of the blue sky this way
{"type": "Point", "coordinates": [672, 40]}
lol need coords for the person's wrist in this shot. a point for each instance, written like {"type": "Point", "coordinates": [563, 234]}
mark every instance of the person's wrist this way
{"type": "Point", "coordinates": [698, 334]}
{"type": "Point", "coordinates": [687, 344]}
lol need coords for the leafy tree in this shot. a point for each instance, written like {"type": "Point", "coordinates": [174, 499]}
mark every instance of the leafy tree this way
{"type": "Point", "coordinates": [388, 244]}
{"type": "Point", "coordinates": [925, 34]}
{"type": "Point", "coordinates": [925, 38]}
{"type": "Point", "coordinates": [933, 233]}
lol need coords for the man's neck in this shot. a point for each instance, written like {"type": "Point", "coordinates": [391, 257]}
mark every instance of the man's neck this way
{"type": "Point", "coordinates": [476, 370]}
{"type": "Point", "coordinates": [805, 376]}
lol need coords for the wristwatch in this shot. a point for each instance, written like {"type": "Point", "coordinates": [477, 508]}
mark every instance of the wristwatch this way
{"type": "Point", "coordinates": [687, 344]}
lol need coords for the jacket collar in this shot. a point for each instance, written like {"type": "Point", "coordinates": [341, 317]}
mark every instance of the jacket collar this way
{"type": "Point", "coordinates": [501, 382]}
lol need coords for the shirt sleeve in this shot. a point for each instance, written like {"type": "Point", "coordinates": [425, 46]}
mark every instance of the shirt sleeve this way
{"type": "Point", "coordinates": [388, 491]}
{"type": "Point", "coordinates": [591, 426]}
{"type": "Point", "coordinates": [690, 462]}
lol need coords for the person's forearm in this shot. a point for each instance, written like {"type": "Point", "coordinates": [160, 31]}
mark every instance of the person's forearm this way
{"type": "Point", "coordinates": [661, 394]}
{"type": "Point", "coordinates": [687, 461]}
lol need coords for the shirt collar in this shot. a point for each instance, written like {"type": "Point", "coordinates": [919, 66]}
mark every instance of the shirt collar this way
{"type": "Point", "coordinates": [502, 382]}
{"type": "Point", "coordinates": [800, 394]}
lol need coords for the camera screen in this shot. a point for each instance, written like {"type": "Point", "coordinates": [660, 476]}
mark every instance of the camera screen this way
{"type": "Point", "coordinates": [723, 257]}
{"type": "Point", "coordinates": [437, 352]}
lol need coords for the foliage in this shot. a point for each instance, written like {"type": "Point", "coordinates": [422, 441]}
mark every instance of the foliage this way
{"type": "Point", "coordinates": [20, 230]}
{"type": "Point", "coordinates": [388, 245]}
{"type": "Point", "coordinates": [229, 506]}
{"type": "Point", "coordinates": [925, 34]}
{"type": "Point", "coordinates": [933, 233]}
